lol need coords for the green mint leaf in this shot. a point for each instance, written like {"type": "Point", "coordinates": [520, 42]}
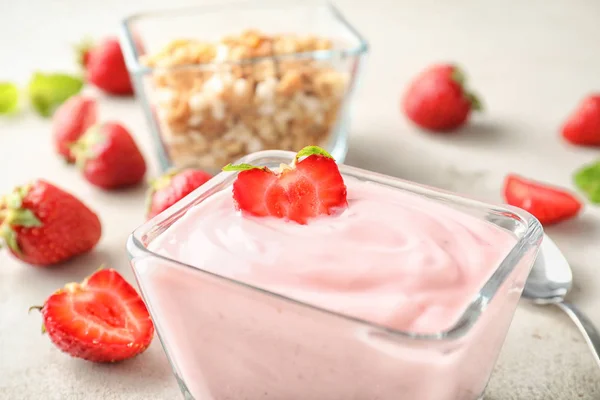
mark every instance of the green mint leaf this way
{"type": "Point", "coordinates": [240, 167]}
{"type": "Point", "coordinates": [587, 179]}
{"type": "Point", "coordinates": [311, 150]}
{"type": "Point", "coordinates": [48, 91]}
{"type": "Point", "coordinates": [25, 218]}
{"type": "Point", "coordinates": [9, 97]}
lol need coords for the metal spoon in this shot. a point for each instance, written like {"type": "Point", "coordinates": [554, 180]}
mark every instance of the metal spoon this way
{"type": "Point", "coordinates": [548, 283]}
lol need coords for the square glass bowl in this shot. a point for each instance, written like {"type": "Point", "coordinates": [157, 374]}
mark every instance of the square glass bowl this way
{"type": "Point", "coordinates": [229, 340]}
{"type": "Point", "coordinates": [220, 82]}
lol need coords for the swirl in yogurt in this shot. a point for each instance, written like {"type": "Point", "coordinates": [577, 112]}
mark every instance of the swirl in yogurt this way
{"type": "Point", "coordinates": [392, 258]}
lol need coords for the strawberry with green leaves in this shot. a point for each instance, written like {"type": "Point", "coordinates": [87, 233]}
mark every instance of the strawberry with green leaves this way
{"type": "Point", "coordinates": [44, 225]}
{"type": "Point", "coordinates": [172, 187]}
{"type": "Point", "coordinates": [109, 157]}
{"type": "Point", "coordinates": [105, 67]}
{"type": "Point", "coordinates": [102, 319]}
{"type": "Point", "coordinates": [310, 186]}
{"type": "Point", "coordinates": [438, 100]}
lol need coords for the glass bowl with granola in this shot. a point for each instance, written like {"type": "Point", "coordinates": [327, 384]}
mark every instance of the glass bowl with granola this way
{"type": "Point", "coordinates": [217, 83]}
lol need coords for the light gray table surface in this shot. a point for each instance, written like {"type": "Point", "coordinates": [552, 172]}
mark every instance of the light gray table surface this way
{"type": "Point", "coordinates": [531, 61]}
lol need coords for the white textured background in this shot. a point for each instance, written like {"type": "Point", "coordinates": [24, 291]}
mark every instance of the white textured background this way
{"type": "Point", "coordinates": [531, 61]}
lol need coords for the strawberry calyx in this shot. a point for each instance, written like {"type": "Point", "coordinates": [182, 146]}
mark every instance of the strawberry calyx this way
{"type": "Point", "coordinates": [305, 152]}
{"type": "Point", "coordinates": [310, 186]}
{"type": "Point", "coordinates": [38, 308]}
{"type": "Point", "coordinates": [82, 148]}
{"type": "Point", "coordinates": [156, 184]}
{"type": "Point", "coordinates": [12, 213]}
{"type": "Point", "coordinates": [460, 78]}
{"type": "Point", "coordinates": [82, 51]}
{"type": "Point", "coordinates": [164, 180]}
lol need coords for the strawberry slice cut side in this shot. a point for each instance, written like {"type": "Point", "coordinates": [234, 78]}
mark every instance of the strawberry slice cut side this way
{"type": "Point", "coordinates": [547, 203]}
{"type": "Point", "coordinates": [103, 319]}
{"type": "Point", "coordinates": [311, 186]}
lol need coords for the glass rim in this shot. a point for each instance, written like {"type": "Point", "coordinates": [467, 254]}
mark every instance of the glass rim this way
{"type": "Point", "coordinates": [532, 233]}
{"type": "Point", "coordinates": [131, 53]}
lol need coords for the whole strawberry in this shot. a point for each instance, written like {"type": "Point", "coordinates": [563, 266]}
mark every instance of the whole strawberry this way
{"type": "Point", "coordinates": [71, 120]}
{"type": "Point", "coordinates": [44, 225]}
{"type": "Point", "coordinates": [172, 187]}
{"type": "Point", "coordinates": [311, 186]}
{"type": "Point", "coordinates": [583, 126]}
{"type": "Point", "coordinates": [105, 67]}
{"type": "Point", "coordinates": [437, 99]}
{"type": "Point", "coordinates": [109, 157]}
{"type": "Point", "coordinates": [102, 319]}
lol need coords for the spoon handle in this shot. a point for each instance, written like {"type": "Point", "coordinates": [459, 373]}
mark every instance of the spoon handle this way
{"type": "Point", "coordinates": [590, 333]}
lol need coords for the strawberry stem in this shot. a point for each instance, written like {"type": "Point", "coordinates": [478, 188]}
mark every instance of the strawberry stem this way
{"type": "Point", "coordinates": [458, 76]}
{"type": "Point", "coordinates": [82, 50]}
{"type": "Point", "coordinates": [157, 184]}
{"type": "Point", "coordinates": [312, 150]}
{"type": "Point", "coordinates": [240, 167]}
{"type": "Point", "coordinates": [305, 152]}
{"type": "Point", "coordinates": [37, 308]}
{"type": "Point", "coordinates": [164, 180]}
{"type": "Point", "coordinates": [476, 104]}
{"type": "Point", "coordinates": [82, 148]}
{"type": "Point", "coordinates": [13, 214]}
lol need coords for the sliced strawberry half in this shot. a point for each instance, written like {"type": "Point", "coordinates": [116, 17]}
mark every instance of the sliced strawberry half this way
{"type": "Point", "coordinates": [102, 319]}
{"type": "Point", "coordinates": [547, 203]}
{"type": "Point", "coordinates": [311, 186]}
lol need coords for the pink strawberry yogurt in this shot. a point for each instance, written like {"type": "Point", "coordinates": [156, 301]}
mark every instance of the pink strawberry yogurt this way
{"type": "Point", "coordinates": [391, 258]}
{"type": "Point", "coordinates": [398, 261]}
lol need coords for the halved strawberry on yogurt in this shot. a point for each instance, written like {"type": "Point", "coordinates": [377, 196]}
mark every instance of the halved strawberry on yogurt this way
{"type": "Point", "coordinates": [310, 186]}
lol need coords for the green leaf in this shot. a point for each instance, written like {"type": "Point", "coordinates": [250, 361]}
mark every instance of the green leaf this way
{"type": "Point", "coordinates": [240, 167]}
{"type": "Point", "coordinates": [83, 148]}
{"type": "Point", "coordinates": [10, 237]}
{"type": "Point", "coordinates": [25, 218]}
{"type": "Point", "coordinates": [13, 200]}
{"type": "Point", "coordinates": [9, 97]}
{"type": "Point", "coordinates": [82, 49]}
{"type": "Point", "coordinates": [311, 150]}
{"type": "Point", "coordinates": [458, 76]}
{"type": "Point", "coordinates": [587, 179]}
{"type": "Point", "coordinates": [48, 91]}
{"type": "Point", "coordinates": [476, 104]}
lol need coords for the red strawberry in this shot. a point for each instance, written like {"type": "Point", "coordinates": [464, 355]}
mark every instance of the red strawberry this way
{"type": "Point", "coordinates": [547, 203]}
{"type": "Point", "coordinates": [103, 319]}
{"type": "Point", "coordinates": [172, 187]}
{"type": "Point", "coordinates": [583, 126]}
{"type": "Point", "coordinates": [305, 189]}
{"type": "Point", "coordinates": [437, 100]}
{"type": "Point", "coordinates": [105, 67]}
{"type": "Point", "coordinates": [43, 225]}
{"type": "Point", "coordinates": [70, 122]}
{"type": "Point", "coordinates": [109, 157]}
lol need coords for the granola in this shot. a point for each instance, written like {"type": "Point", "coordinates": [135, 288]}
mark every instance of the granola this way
{"type": "Point", "coordinates": [212, 107]}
